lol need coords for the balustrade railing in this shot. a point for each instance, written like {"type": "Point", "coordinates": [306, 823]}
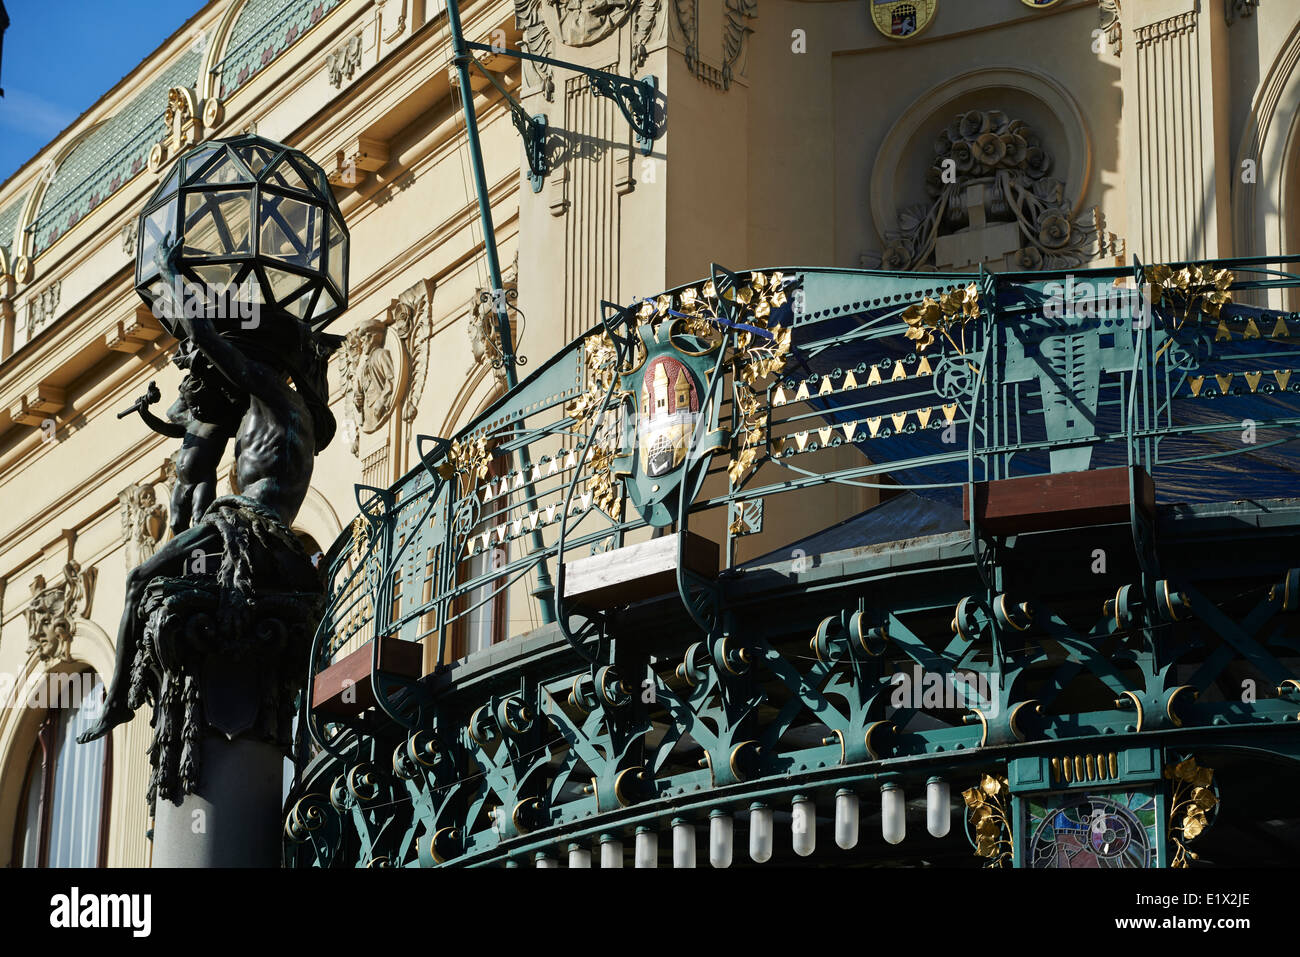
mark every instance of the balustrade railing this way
{"type": "Point", "coordinates": [746, 390]}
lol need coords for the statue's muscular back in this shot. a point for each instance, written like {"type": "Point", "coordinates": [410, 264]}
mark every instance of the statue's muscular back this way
{"type": "Point", "coordinates": [276, 444]}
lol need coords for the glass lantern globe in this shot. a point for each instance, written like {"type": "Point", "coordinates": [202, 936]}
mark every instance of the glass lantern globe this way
{"type": "Point", "coordinates": [258, 224]}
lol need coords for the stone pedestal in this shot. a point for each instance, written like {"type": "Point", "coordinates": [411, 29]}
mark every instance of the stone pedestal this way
{"type": "Point", "coordinates": [232, 818]}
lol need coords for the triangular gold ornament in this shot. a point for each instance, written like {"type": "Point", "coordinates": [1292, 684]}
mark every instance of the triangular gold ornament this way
{"type": "Point", "coordinates": [825, 434]}
{"type": "Point", "coordinates": [1280, 331]}
{"type": "Point", "coordinates": [924, 367]}
{"type": "Point", "coordinates": [1253, 379]}
{"type": "Point", "coordinates": [1252, 331]}
{"type": "Point", "coordinates": [1225, 382]}
{"type": "Point", "coordinates": [873, 425]}
{"type": "Point", "coordinates": [924, 416]}
{"type": "Point", "coordinates": [826, 386]}
{"type": "Point", "coordinates": [778, 397]}
{"type": "Point", "coordinates": [1222, 334]}
{"type": "Point", "coordinates": [899, 372]}
{"type": "Point", "coordinates": [801, 439]}
{"type": "Point", "coordinates": [874, 378]}
{"type": "Point", "coordinates": [802, 393]}
{"type": "Point", "coordinates": [898, 419]}
{"type": "Point", "coordinates": [850, 429]}
{"type": "Point", "coordinates": [950, 412]}
{"type": "Point", "coordinates": [850, 382]}
{"type": "Point", "coordinates": [1283, 376]}
{"type": "Point", "coordinates": [1196, 382]}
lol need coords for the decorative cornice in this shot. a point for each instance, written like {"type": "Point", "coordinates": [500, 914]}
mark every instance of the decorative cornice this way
{"type": "Point", "coordinates": [1164, 29]}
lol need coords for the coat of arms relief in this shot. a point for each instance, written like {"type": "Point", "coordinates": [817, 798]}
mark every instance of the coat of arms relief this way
{"type": "Point", "coordinates": [386, 363]}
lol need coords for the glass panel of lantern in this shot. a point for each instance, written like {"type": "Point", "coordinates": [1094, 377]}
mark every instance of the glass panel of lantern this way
{"type": "Point", "coordinates": [217, 223]}
{"type": "Point", "coordinates": [250, 209]}
{"type": "Point", "coordinates": [337, 267]}
{"type": "Point", "coordinates": [154, 225]}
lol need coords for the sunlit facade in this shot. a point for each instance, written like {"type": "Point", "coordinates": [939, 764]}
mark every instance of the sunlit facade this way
{"type": "Point", "coordinates": [940, 138]}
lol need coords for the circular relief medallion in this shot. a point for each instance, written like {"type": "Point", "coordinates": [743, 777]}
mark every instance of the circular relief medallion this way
{"type": "Point", "coordinates": [901, 19]}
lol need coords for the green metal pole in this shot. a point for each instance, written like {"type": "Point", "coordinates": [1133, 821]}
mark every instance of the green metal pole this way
{"type": "Point", "coordinates": [545, 590]}
{"type": "Point", "coordinates": [460, 56]}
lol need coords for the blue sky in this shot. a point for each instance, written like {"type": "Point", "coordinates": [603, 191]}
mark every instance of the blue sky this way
{"type": "Point", "coordinates": [60, 56]}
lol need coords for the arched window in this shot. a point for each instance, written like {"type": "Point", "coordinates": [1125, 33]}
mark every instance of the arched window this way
{"type": "Point", "coordinates": [63, 817]}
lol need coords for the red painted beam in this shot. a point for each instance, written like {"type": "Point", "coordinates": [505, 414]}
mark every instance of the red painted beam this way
{"type": "Point", "coordinates": [344, 687]}
{"type": "Point", "coordinates": [1035, 503]}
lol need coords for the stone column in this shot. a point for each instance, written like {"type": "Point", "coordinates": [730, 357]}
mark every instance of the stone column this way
{"type": "Point", "coordinates": [232, 819]}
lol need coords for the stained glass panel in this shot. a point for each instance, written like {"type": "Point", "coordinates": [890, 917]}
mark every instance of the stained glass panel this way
{"type": "Point", "coordinates": [1091, 830]}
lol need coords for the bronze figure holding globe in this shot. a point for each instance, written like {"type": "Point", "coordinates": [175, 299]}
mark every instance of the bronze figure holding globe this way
{"type": "Point", "coordinates": [243, 257]}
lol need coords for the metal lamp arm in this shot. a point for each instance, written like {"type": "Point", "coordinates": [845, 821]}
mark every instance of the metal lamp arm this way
{"type": "Point", "coordinates": [635, 98]}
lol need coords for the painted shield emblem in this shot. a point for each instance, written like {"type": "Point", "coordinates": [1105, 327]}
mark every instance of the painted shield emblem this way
{"type": "Point", "coordinates": [670, 410]}
{"type": "Point", "coordinates": [676, 430]}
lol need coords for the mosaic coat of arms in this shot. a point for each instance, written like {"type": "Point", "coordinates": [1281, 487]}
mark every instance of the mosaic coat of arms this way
{"type": "Point", "coordinates": [901, 19]}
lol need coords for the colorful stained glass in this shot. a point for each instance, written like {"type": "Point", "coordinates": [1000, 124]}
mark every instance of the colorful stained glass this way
{"type": "Point", "coordinates": [1091, 830]}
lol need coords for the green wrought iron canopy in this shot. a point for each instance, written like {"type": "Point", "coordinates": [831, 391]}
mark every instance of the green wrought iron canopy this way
{"type": "Point", "coordinates": [259, 226]}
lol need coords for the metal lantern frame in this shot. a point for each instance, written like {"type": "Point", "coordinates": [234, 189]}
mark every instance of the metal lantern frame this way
{"type": "Point", "coordinates": [249, 208]}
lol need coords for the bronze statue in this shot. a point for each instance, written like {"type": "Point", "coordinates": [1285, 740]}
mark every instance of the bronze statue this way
{"type": "Point", "coordinates": [205, 416]}
{"type": "Point", "coordinates": [272, 388]}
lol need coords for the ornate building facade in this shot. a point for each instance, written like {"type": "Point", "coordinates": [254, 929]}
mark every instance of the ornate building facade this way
{"type": "Point", "coordinates": [937, 137]}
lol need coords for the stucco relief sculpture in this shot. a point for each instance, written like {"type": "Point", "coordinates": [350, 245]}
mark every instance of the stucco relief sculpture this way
{"type": "Point", "coordinates": [144, 521]}
{"type": "Point", "coordinates": [738, 15]}
{"type": "Point", "coordinates": [372, 376]}
{"type": "Point", "coordinates": [991, 173]}
{"type": "Point", "coordinates": [581, 23]}
{"type": "Point", "coordinates": [53, 611]}
{"type": "Point", "coordinates": [386, 362]}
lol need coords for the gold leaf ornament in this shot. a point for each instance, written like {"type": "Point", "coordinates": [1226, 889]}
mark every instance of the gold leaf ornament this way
{"type": "Point", "coordinates": [1191, 800]}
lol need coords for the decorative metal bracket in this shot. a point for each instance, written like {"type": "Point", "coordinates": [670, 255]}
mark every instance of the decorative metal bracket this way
{"type": "Point", "coordinates": [533, 131]}
{"type": "Point", "coordinates": [635, 98]}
